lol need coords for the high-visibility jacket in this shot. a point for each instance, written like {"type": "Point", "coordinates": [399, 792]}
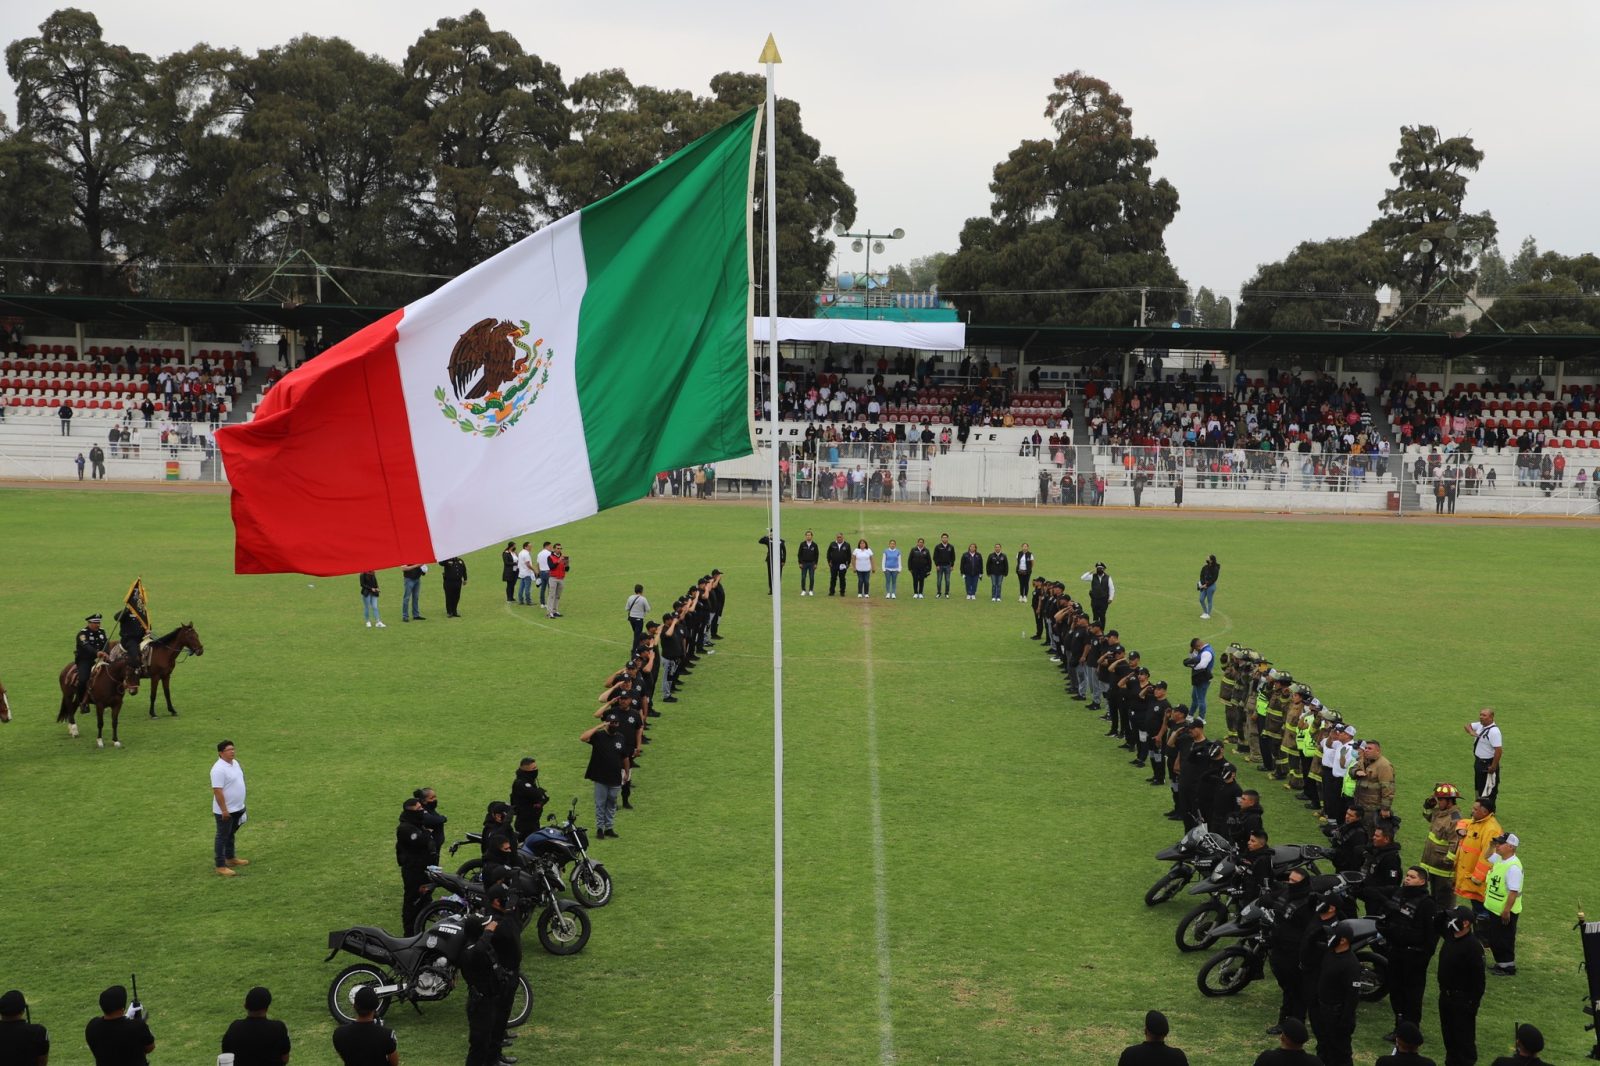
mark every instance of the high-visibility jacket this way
{"type": "Point", "coordinates": [1472, 868]}
{"type": "Point", "coordinates": [1494, 887]}
{"type": "Point", "coordinates": [1439, 851]}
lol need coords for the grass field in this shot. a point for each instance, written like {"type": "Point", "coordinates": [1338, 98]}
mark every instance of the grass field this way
{"type": "Point", "coordinates": [1001, 918]}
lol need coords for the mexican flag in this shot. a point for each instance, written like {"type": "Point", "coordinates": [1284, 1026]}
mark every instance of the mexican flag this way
{"type": "Point", "coordinates": [545, 384]}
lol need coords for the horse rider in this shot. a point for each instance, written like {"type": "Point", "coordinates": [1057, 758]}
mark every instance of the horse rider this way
{"type": "Point", "coordinates": [130, 635]}
{"type": "Point", "coordinates": [90, 646]}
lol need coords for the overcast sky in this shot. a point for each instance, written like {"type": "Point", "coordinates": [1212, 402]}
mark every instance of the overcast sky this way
{"type": "Point", "coordinates": [1275, 121]}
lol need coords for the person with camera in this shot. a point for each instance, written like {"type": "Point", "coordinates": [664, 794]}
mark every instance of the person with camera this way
{"type": "Point", "coordinates": [119, 1037]}
{"type": "Point", "coordinates": [21, 1041]}
{"type": "Point", "coordinates": [1200, 661]}
{"type": "Point", "coordinates": [366, 1041]}
{"type": "Point", "coordinates": [413, 852]}
{"type": "Point", "coordinates": [255, 1039]}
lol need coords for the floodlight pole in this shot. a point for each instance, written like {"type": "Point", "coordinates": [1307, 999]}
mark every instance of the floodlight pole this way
{"type": "Point", "coordinates": [769, 57]}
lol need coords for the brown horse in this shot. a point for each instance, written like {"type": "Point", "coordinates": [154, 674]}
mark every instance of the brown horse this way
{"type": "Point", "coordinates": [109, 680]}
{"type": "Point", "coordinates": [163, 660]}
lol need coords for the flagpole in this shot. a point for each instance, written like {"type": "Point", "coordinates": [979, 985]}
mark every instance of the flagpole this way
{"type": "Point", "coordinates": [769, 56]}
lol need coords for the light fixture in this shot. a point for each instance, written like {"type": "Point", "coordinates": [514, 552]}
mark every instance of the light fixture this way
{"type": "Point", "coordinates": [1425, 247]}
{"type": "Point", "coordinates": [840, 229]}
{"type": "Point", "coordinates": [856, 246]}
{"type": "Point", "coordinates": [282, 216]}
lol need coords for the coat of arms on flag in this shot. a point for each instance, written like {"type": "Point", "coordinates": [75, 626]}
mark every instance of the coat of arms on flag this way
{"type": "Point", "coordinates": [495, 376]}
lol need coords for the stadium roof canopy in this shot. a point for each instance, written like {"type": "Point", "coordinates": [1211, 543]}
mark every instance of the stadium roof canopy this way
{"type": "Point", "coordinates": [1035, 340]}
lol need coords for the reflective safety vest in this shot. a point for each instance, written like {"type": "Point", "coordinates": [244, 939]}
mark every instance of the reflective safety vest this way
{"type": "Point", "coordinates": [1494, 887]}
{"type": "Point", "coordinates": [1347, 787]}
{"type": "Point", "coordinates": [1262, 704]}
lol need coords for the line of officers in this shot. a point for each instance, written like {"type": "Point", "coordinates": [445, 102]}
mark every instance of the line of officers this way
{"type": "Point", "coordinates": [1279, 726]}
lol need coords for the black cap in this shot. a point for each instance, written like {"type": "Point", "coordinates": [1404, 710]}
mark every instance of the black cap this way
{"type": "Point", "coordinates": [1295, 1030]}
{"type": "Point", "coordinates": [499, 807]}
{"type": "Point", "coordinates": [13, 1002]}
{"type": "Point", "coordinates": [113, 999]}
{"type": "Point", "coordinates": [1159, 684]}
{"type": "Point", "coordinates": [1462, 914]}
{"type": "Point", "coordinates": [258, 998]}
{"type": "Point", "coordinates": [1155, 1023]}
{"type": "Point", "coordinates": [93, 617]}
{"type": "Point", "coordinates": [366, 1000]}
{"type": "Point", "coordinates": [1406, 1032]}
{"type": "Point", "coordinates": [1530, 1038]}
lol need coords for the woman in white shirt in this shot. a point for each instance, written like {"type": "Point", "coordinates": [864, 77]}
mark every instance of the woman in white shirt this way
{"type": "Point", "coordinates": [864, 568]}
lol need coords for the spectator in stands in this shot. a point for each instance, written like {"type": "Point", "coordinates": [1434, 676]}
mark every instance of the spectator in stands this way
{"type": "Point", "coordinates": [64, 412]}
{"type": "Point", "coordinates": [79, 462]}
{"type": "Point", "coordinates": [148, 409]}
{"type": "Point", "coordinates": [97, 463]}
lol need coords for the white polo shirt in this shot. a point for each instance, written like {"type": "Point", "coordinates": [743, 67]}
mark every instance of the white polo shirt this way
{"type": "Point", "coordinates": [1488, 740]}
{"type": "Point", "coordinates": [228, 776]}
{"type": "Point", "coordinates": [544, 561]}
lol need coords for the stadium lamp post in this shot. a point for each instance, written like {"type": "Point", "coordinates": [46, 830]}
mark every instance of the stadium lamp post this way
{"type": "Point", "coordinates": [868, 241]}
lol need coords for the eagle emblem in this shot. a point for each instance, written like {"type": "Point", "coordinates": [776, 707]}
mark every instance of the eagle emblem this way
{"type": "Point", "coordinates": [495, 375]}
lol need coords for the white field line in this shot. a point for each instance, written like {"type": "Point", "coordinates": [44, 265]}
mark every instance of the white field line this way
{"type": "Point", "coordinates": [880, 888]}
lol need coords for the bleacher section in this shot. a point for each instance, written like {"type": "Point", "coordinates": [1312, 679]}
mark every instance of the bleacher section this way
{"type": "Point", "coordinates": [38, 380]}
{"type": "Point", "coordinates": [1567, 420]}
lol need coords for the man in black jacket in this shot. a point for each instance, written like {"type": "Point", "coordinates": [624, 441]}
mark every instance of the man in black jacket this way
{"type": "Point", "coordinates": [920, 562]}
{"type": "Point", "coordinates": [527, 798]}
{"type": "Point", "coordinates": [413, 850]}
{"type": "Point", "coordinates": [1333, 1015]}
{"type": "Point", "coordinates": [1381, 870]}
{"type": "Point", "coordinates": [1410, 926]}
{"type": "Point", "coordinates": [783, 557]}
{"type": "Point", "coordinates": [1461, 976]}
{"type": "Point", "coordinates": [455, 576]}
{"type": "Point", "coordinates": [809, 552]}
{"type": "Point", "coordinates": [998, 568]}
{"type": "Point", "coordinates": [1292, 912]}
{"type": "Point", "coordinates": [944, 560]}
{"type": "Point", "coordinates": [839, 557]}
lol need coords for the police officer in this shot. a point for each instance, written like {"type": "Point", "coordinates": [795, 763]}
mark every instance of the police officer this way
{"type": "Point", "coordinates": [21, 1041]}
{"type": "Point", "coordinates": [1102, 590]}
{"type": "Point", "coordinates": [1314, 946]}
{"type": "Point", "coordinates": [839, 556]}
{"type": "Point", "coordinates": [455, 575]}
{"type": "Point", "coordinates": [527, 797]}
{"type": "Point", "coordinates": [1460, 976]}
{"type": "Point", "coordinates": [1380, 869]}
{"type": "Point", "coordinates": [783, 557]}
{"type": "Point", "coordinates": [1410, 925]}
{"type": "Point", "coordinates": [481, 968]}
{"type": "Point", "coordinates": [506, 940]}
{"type": "Point", "coordinates": [130, 633]}
{"type": "Point", "coordinates": [413, 852]}
{"type": "Point", "coordinates": [1333, 1014]}
{"type": "Point", "coordinates": [1292, 912]}
{"type": "Point", "coordinates": [89, 647]}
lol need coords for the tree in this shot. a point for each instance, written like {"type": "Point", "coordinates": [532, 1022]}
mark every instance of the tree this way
{"type": "Point", "coordinates": [36, 221]}
{"type": "Point", "coordinates": [1076, 224]}
{"type": "Point", "coordinates": [82, 100]}
{"type": "Point", "coordinates": [1210, 312]}
{"type": "Point", "coordinates": [1555, 294]}
{"type": "Point", "coordinates": [1423, 224]}
{"type": "Point", "coordinates": [488, 119]}
{"type": "Point", "coordinates": [1319, 285]}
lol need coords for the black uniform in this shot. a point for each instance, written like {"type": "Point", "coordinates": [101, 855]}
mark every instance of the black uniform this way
{"type": "Point", "coordinates": [455, 575]}
{"type": "Point", "coordinates": [88, 647]}
{"type": "Point", "coordinates": [1292, 908]}
{"type": "Point", "coordinates": [527, 802]}
{"type": "Point", "coordinates": [118, 1041]}
{"type": "Point", "coordinates": [130, 631]}
{"type": "Point", "coordinates": [507, 943]}
{"type": "Point", "coordinates": [413, 851]}
{"type": "Point", "coordinates": [1100, 596]}
{"type": "Point", "coordinates": [783, 558]}
{"type": "Point", "coordinates": [1382, 872]}
{"type": "Point", "coordinates": [1334, 1014]}
{"type": "Point", "coordinates": [481, 968]}
{"type": "Point", "coordinates": [1460, 975]}
{"type": "Point", "coordinates": [23, 1042]}
{"type": "Point", "coordinates": [1410, 927]}
{"type": "Point", "coordinates": [839, 556]}
{"type": "Point", "coordinates": [256, 1042]}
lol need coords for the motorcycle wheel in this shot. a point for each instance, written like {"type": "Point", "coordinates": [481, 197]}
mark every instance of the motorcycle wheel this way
{"type": "Point", "coordinates": [438, 911]}
{"type": "Point", "coordinates": [1226, 973]}
{"type": "Point", "coordinates": [521, 1004]}
{"type": "Point", "coordinates": [591, 886]}
{"type": "Point", "coordinates": [1194, 930]}
{"type": "Point", "coordinates": [563, 928]}
{"type": "Point", "coordinates": [470, 867]}
{"type": "Point", "coordinates": [342, 992]}
{"type": "Point", "coordinates": [1374, 983]}
{"type": "Point", "coordinates": [1168, 886]}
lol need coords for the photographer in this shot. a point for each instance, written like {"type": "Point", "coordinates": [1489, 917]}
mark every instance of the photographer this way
{"type": "Point", "coordinates": [115, 1038]}
{"type": "Point", "coordinates": [1200, 662]}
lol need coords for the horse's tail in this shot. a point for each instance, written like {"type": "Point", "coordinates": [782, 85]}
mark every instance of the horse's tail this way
{"type": "Point", "coordinates": [69, 687]}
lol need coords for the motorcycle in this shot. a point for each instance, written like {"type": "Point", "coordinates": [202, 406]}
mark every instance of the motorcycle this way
{"type": "Point", "coordinates": [1196, 929]}
{"type": "Point", "coordinates": [567, 843]}
{"type": "Point", "coordinates": [563, 926]}
{"type": "Point", "coordinates": [408, 969]}
{"type": "Point", "coordinates": [1195, 854]}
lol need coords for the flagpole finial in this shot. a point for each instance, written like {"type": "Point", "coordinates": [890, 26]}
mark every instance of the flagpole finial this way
{"type": "Point", "coordinates": [769, 53]}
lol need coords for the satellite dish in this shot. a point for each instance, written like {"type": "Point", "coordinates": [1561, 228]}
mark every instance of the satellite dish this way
{"type": "Point", "coordinates": [1425, 247]}
{"type": "Point", "coordinates": [840, 229]}
{"type": "Point", "coordinates": [877, 246]}
{"type": "Point", "coordinates": [856, 246]}
{"type": "Point", "coordinates": [898, 233]}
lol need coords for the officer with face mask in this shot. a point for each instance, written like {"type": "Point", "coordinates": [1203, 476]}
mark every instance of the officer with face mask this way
{"type": "Point", "coordinates": [1410, 925]}
{"type": "Point", "coordinates": [1292, 912]}
{"type": "Point", "coordinates": [413, 851]}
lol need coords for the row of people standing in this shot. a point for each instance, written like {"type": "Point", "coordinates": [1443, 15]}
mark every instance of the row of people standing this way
{"type": "Point", "coordinates": [921, 562]}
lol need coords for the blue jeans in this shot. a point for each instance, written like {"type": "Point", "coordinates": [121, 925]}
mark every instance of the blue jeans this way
{"type": "Point", "coordinates": [1197, 700]}
{"type": "Point", "coordinates": [808, 578]}
{"type": "Point", "coordinates": [605, 804]}
{"type": "Point", "coordinates": [408, 597]}
{"type": "Point", "coordinates": [544, 583]}
{"type": "Point", "coordinates": [1207, 595]}
{"type": "Point", "coordinates": [525, 590]}
{"type": "Point", "coordinates": [891, 578]}
{"type": "Point", "coordinates": [369, 608]}
{"type": "Point", "coordinates": [863, 582]}
{"type": "Point", "coordinates": [941, 582]}
{"type": "Point", "coordinates": [972, 583]}
{"type": "Point", "coordinates": [227, 826]}
{"type": "Point", "coordinates": [996, 585]}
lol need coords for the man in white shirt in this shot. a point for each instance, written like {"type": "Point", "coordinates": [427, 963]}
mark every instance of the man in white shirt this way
{"type": "Point", "coordinates": [526, 572]}
{"type": "Point", "coordinates": [544, 571]}
{"type": "Point", "coordinates": [1486, 749]}
{"type": "Point", "coordinates": [227, 806]}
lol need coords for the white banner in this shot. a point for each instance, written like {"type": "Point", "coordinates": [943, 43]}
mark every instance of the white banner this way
{"type": "Point", "coordinates": [923, 336]}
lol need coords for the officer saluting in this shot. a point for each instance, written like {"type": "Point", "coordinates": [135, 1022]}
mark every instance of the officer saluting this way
{"type": "Point", "coordinates": [90, 646]}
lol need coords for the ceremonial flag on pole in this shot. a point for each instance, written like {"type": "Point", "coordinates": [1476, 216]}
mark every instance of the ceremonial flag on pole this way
{"type": "Point", "coordinates": [136, 603]}
{"type": "Point", "coordinates": [545, 384]}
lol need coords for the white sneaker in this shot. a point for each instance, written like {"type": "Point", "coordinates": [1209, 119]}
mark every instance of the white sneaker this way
{"type": "Point", "coordinates": [1205, 616]}
{"type": "Point", "coordinates": [379, 625]}
{"type": "Point", "coordinates": [1022, 599]}
{"type": "Point", "coordinates": [369, 625]}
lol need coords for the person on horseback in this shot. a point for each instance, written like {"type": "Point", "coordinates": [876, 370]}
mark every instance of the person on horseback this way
{"type": "Point", "coordinates": [90, 647]}
{"type": "Point", "coordinates": [130, 634]}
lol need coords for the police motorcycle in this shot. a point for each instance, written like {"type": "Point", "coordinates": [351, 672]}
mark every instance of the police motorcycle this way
{"type": "Point", "coordinates": [407, 969]}
{"type": "Point", "coordinates": [563, 926]}
{"type": "Point", "coordinates": [565, 844]}
{"type": "Point", "coordinates": [1229, 892]}
{"type": "Point", "coordinates": [1196, 853]}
